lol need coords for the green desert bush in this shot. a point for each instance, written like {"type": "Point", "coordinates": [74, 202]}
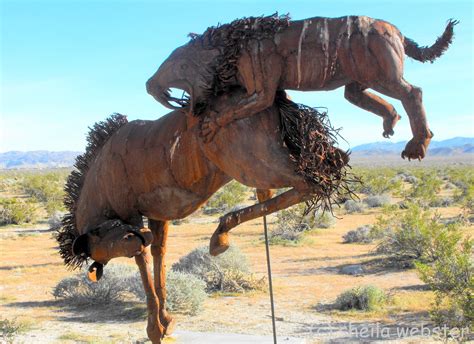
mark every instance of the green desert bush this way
{"type": "Point", "coordinates": [365, 298]}
{"type": "Point", "coordinates": [377, 181]}
{"type": "Point", "coordinates": [185, 292]}
{"type": "Point", "coordinates": [227, 197]}
{"type": "Point", "coordinates": [10, 328]}
{"type": "Point", "coordinates": [113, 286]}
{"type": "Point", "coordinates": [416, 235]}
{"type": "Point", "coordinates": [17, 211]}
{"type": "Point", "coordinates": [426, 188]}
{"type": "Point", "coordinates": [451, 277]}
{"type": "Point", "coordinates": [228, 272]}
{"type": "Point", "coordinates": [47, 188]}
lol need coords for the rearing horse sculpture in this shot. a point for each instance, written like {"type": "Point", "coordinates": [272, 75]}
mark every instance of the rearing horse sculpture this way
{"type": "Point", "coordinates": [163, 170]}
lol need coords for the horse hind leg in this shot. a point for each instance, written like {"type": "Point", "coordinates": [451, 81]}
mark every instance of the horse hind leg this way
{"type": "Point", "coordinates": [264, 194]}
{"type": "Point", "coordinates": [158, 250]}
{"type": "Point", "coordinates": [220, 239]}
{"type": "Point", "coordinates": [356, 94]}
{"type": "Point", "coordinates": [386, 76]}
{"type": "Point", "coordinates": [411, 98]}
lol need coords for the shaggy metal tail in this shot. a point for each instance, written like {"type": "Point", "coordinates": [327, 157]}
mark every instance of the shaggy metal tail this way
{"type": "Point", "coordinates": [424, 54]}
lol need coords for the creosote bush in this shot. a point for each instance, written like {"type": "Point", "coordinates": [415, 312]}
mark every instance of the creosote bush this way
{"type": "Point", "coordinates": [16, 211]}
{"type": "Point", "coordinates": [228, 272]}
{"type": "Point", "coordinates": [426, 188]}
{"type": "Point", "coordinates": [416, 235]}
{"type": "Point", "coordinates": [451, 277]}
{"type": "Point", "coordinates": [366, 298]}
{"type": "Point", "coordinates": [227, 197]}
{"type": "Point", "coordinates": [47, 188]}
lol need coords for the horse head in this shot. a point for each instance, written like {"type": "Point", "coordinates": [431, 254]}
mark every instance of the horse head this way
{"type": "Point", "coordinates": [111, 239]}
{"type": "Point", "coordinates": [188, 69]}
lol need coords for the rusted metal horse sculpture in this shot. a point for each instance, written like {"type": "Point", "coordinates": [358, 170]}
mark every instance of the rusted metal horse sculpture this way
{"type": "Point", "coordinates": [266, 54]}
{"type": "Point", "coordinates": [163, 170]}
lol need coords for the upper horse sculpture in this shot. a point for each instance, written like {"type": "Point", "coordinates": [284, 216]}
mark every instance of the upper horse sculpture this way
{"type": "Point", "coordinates": [266, 54]}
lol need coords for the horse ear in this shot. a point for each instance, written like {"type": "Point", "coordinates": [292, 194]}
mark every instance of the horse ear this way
{"type": "Point", "coordinates": [95, 272]}
{"type": "Point", "coordinates": [80, 246]}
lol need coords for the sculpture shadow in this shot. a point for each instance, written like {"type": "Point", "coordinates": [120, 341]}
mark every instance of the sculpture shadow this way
{"type": "Point", "coordinates": [124, 311]}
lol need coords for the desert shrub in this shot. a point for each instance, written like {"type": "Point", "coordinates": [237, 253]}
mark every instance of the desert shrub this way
{"type": "Point", "coordinates": [360, 235]}
{"type": "Point", "coordinates": [375, 201]}
{"type": "Point", "coordinates": [441, 202]}
{"type": "Point", "coordinates": [377, 181]}
{"type": "Point", "coordinates": [426, 189]}
{"type": "Point", "coordinates": [178, 222]}
{"type": "Point", "coordinates": [451, 277]}
{"type": "Point", "coordinates": [10, 328]}
{"type": "Point", "coordinates": [79, 291]}
{"type": "Point", "coordinates": [291, 223]}
{"type": "Point", "coordinates": [284, 234]}
{"type": "Point", "coordinates": [323, 219]}
{"type": "Point", "coordinates": [227, 197]}
{"type": "Point", "coordinates": [228, 272]}
{"type": "Point", "coordinates": [47, 188]}
{"type": "Point", "coordinates": [54, 220]}
{"type": "Point", "coordinates": [416, 235]}
{"type": "Point", "coordinates": [16, 211]}
{"type": "Point", "coordinates": [352, 206]}
{"type": "Point", "coordinates": [185, 292]}
{"type": "Point", "coordinates": [366, 298]}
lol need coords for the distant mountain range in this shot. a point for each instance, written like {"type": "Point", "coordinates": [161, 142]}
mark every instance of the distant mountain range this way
{"type": "Point", "coordinates": [457, 146]}
{"type": "Point", "coordinates": [454, 146]}
{"type": "Point", "coordinates": [37, 159]}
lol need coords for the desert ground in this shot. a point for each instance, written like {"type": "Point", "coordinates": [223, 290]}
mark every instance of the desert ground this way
{"type": "Point", "coordinates": [307, 279]}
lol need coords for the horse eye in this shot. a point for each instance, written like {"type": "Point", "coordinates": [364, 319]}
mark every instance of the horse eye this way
{"type": "Point", "coordinates": [184, 66]}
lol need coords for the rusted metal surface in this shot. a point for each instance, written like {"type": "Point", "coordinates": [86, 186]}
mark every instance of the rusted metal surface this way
{"type": "Point", "coordinates": [164, 170]}
{"type": "Point", "coordinates": [266, 54]}
{"type": "Point", "coordinates": [235, 123]}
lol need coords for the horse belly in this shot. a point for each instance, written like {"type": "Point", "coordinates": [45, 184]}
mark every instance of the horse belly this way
{"type": "Point", "coordinates": [251, 151]}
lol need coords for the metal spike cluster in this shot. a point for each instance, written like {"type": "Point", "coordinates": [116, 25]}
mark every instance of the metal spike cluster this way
{"type": "Point", "coordinates": [98, 135]}
{"type": "Point", "coordinates": [312, 141]}
{"type": "Point", "coordinates": [230, 39]}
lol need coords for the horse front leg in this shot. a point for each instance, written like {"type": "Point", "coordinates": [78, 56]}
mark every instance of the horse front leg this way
{"type": "Point", "coordinates": [260, 69]}
{"type": "Point", "coordinates": [154, 328]}
{"type": "Point", "coordinates": [158, 250]}
{"type": "Point", "coordinates": [220, 239]}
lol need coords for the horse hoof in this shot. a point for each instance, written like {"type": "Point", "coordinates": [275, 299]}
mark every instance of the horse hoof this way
{"type": "Point", "coordinates": [219, 243]}
{"type": "Point", "coordinates": [169, 326]}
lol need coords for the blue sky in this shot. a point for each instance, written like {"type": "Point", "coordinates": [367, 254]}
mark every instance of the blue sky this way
{"type": "Point", "coordinates": [68, 64]}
